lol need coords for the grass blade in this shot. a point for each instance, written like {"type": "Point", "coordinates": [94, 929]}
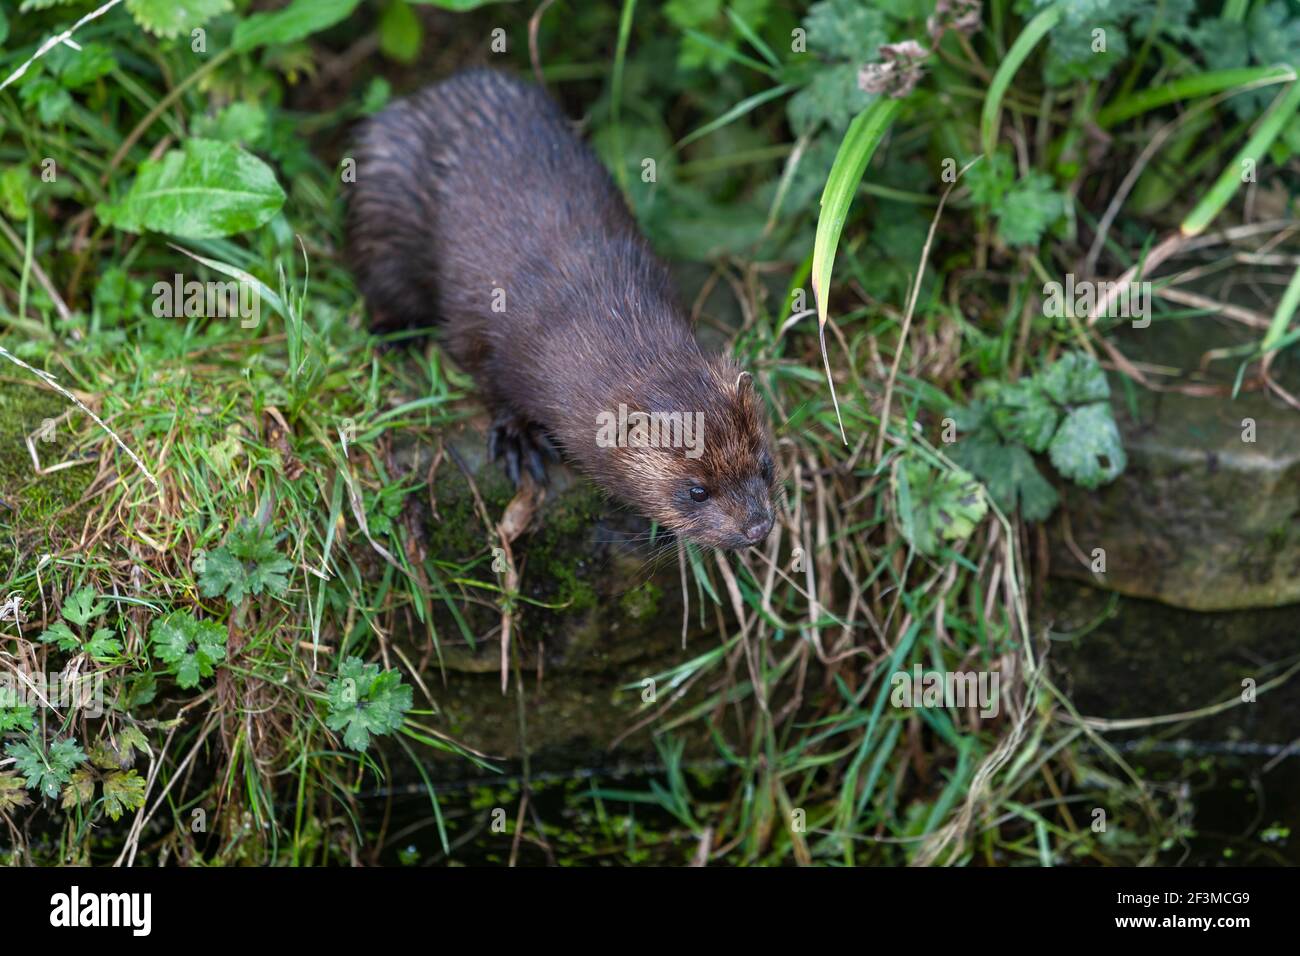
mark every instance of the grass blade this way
{"type": "Point", "coordinates": [864, 135]}
{"type": "Point", "coordinates": [1278, 115]}
{"type": "Point", "coordinates": [1034, 31]}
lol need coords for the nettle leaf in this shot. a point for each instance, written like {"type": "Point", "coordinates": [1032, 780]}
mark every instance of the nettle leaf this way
{"type": "Point", "coordinates": [80, 607]}
{"type": "Point", "coordinates": [1023, 413]}
{"type": "Point", "coordinates": [60, 633]}
{"type": "Point", "coordinates": [191, 648]}
{"type": "Point", "coordinates": [936, 506]}
{"type": "Point", "coordinates": [248, 563]}
{"type": "Point", "coordinates": [1075, 379]}
{"type": "Point", "coordinates": [1028, 209]}
{"type": "Point", "coordinates": [46, 770]}
{"type": "Point", "coordinates": [12, 793]}
{"type": "Point", "coordinates": [1087, 447]}
{"type": "Point", "coordinates": [366, 701]}
{"type": "Point", "coordinates": [123, 791]}
{"type": "Point", "coordinates": [205, 190]}
{"type": "Point", "coordinates": [168, 18]}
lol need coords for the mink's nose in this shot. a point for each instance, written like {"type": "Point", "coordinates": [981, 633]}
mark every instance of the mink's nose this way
{"type": "Point", "coordinates": [757, 529]}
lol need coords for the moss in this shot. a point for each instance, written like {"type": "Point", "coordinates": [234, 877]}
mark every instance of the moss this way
{"type": "Point", "coordinates": [34, 509]}
{"type": "Point", "coordinates": [642, 603]}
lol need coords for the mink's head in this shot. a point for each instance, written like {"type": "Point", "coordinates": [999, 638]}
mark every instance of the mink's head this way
{"type": "Point", "coordinates": [694, 454]}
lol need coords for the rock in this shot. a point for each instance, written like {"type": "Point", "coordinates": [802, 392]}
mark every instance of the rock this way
{"type": "Point", "coordinates": [1207, 514]}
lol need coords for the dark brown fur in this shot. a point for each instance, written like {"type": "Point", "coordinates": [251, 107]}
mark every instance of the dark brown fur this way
{"type": "Point", "coordinates": [476, 187]}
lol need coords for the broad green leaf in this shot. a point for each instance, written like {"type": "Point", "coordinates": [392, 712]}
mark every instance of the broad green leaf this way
{"type": "Point", "coordinates": [297, 21]}
{"type": "Point", "coordinates": [205, 190]}
{"type": "Point", "coordinates": [1023, 413]}
{"type": "Point", "coordinates": [400, 32]}
{"type": "Point", "coordinates": [860, 142]}
{"type": "Point", "coordinates": [1028, 209]}
{"type": "Point", "coordinates": [247, 564]}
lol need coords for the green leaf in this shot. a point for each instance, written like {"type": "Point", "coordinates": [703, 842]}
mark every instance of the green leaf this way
{"type": "Point", "coordinates": [13, 192]}
{"type": "Point", "coordinates": [189, 647]}
{"type": "Point", "coordinates": [123, 791]}
{"type": "Point", "coordinates": [248, 564]}
{"type": "Point", "coordinates": [78, 68]}
{"type": "Point", "coordinates": [63, 635]}
{"type": "Point", "coordinates": [1028, 209]}
{"type": "Point", "coordinates": [205, 190]}
{"type": "Point", "coordinates": [845, 30]}
{"type": "Point", "coordinates": [46, 97]}
{"type": "Point", "coordinates": [15, 717]}
{"type": "Point", "coordinates": [855, 152]}
{"type": "Point", "coordinates": [80, 607]}
{"type": "Point", "coordinates": [171, 18]}
{"type": "Point", "coordinates": [46, 771]}
{"type": "Point", "coordinates": [297, 21]}
{"type": "Point", "coordinates": [936, 506]}
{"type": "Point", "coordinates": [1076, 379]}
{"type": "Point", "coordinates": [366, 702]}
{"type": "Point", "coordinates": [831, 96]}
{"type": "Point", "coordinates": [1087, 447]}
{"type": "Point", "coordinates": [103, 645]}
{"type": "Point", "coordinates": [1009, 474]}
{"type": "Point", "coordinates": [1023, 413]}
{"type": "Point", "coordinates": [400, 32]}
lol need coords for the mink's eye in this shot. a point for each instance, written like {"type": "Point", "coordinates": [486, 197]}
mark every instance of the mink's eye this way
{"type": "Point", "coordinates": [699, 494]}
{"type": "Point", "coordinates": [765, 469]}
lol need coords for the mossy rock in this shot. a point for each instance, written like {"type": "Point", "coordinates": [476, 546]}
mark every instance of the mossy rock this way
{"type": "Point", "coordinates": [594, 618]}
{"type": "Point", "coordinates": [1207, 514]}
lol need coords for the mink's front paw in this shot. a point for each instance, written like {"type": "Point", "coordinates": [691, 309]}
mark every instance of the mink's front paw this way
{"type": "Point", "coordinates": [521, 442]}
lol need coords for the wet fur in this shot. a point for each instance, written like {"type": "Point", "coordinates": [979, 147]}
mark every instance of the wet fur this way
{"type": "Point", "coordinates": [477, 184]}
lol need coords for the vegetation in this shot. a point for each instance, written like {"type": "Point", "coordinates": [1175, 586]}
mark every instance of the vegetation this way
{"type": "Point", "coordinates": [866, 200]}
